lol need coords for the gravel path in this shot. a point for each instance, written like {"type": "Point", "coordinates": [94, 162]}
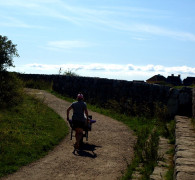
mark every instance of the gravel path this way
{"type": "Point", "coordinates": [105, 156]}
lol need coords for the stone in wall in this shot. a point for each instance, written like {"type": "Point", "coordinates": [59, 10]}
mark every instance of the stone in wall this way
{"type": "Point", "coordinates": [193, 103]}
{"type": "Point", "coordinates": [172, 103]}
{"type": "Point", "coordinates": [184, 149]}
{"type": "Point", "coordinates": [185, 101]}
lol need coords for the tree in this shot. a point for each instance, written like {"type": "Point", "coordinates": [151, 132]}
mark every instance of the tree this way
{"type": "Point", "coordinates": [10, 85]}
{"type": "Point", "coordinates": [7, 52]}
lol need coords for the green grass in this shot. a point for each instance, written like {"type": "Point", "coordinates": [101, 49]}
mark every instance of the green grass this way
{"type": "Point", "coordinates": [170, 172]}
{"type": "Point", "coordinates": [180, 87]}
{"type": "Point", "coordinates": [27, 132]}
{"type": "Point", "coordinates": [171, 137]}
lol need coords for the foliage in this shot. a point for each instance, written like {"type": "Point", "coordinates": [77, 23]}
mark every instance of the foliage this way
{"type": "Point", "coordinates": [143, 109]}
{"type": "Point", "coordinates": [11, 89]}
{"type": "Point", "coordinates": [160, 111]}
{"type": "Point", "coordinates": [171, 129]}
{"type": "Point", "coordinates": [38, 84]}
{"type": "Point", "coordinates": [7, 52]}
{"type": "Point", "coordinates": [170, 173]}
{"type": "Point", "coordinates": [10, 85]}
{"type": "Point", "coordinates": [69, 73]}
{"type": "Point", "coordinates": [27, 132]}
{"type": "Point", "coordinates": [145, 152]}
{"type": "Point", "coordinates": [150, 154]}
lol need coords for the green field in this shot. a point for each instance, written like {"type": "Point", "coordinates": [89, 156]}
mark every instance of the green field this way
{"type": "Point", "coordinates": [27, 132]}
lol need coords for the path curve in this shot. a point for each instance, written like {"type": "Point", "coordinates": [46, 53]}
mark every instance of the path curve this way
{"type": "Point", "coordinates": [111, 141]}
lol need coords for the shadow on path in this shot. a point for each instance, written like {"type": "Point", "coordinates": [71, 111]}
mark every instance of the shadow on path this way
{"type": "Point", "coordinates": [87, 150]}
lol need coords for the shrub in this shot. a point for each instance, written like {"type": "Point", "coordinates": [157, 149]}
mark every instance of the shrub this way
{"type": "Point", "coordinates": [11, 89]}
{"type": "Point", "coordinates": [38, 84]}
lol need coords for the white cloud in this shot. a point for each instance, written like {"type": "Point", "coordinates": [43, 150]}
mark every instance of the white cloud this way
{"type": "Point", "coordinates": [165, 32]}
{"type": "Point", "coordinates": [113, 71]}
{"type": "Point", "coordinates": [151, 29]}
{"type": "Point", "coordinates": [61, 45]}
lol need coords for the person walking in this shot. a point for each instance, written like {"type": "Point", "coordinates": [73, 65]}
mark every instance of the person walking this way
{"type": "Point", "coordinates": [79, 120]}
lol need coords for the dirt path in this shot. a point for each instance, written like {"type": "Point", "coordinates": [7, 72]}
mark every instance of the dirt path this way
{"type": "Point", "coordinates": [105, 157]}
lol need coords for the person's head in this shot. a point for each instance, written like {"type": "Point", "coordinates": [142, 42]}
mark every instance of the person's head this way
{"type": "Point", "coordinates": [80, 97]}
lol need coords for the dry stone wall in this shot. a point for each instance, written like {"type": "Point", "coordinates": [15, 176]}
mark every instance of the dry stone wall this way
{"type": "Point", "coordinates": [193, 103]}
{"type": "Point", "coordinates": [126, 93]}
{"type": "Point", "coordinates": [184, 149]}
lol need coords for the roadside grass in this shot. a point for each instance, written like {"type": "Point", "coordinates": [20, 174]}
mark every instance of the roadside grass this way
{"type": "Point", "coordinates": [27, 132]}
{"type": "Point", "coordinates": [171, 137]}
{"type": "Point", "coordinates": [170, 172]}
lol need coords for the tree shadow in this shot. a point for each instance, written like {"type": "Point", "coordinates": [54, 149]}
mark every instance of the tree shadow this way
{"type": "Point", "coordinates": [86, 150]}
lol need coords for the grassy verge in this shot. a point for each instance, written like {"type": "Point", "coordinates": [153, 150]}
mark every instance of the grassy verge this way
{"type": "Point", "coordinates": [170, 172]}
{"type": "Point", "coordinates": [27, 132]}
{"type": "Point", "coordinates": [171, 137]}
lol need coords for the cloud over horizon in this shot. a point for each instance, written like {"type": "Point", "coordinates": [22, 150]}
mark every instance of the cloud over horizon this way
{"type": "Point", "coordinates": [111, 70]}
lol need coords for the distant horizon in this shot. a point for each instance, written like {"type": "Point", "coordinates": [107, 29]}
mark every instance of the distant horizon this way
{"type": "Point", "coordinates": [127, 72]}
{"type": "Point", "coordinates": [118, 78]}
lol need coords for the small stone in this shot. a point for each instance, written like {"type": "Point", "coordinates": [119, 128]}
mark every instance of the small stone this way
{"type": "Point", "coordinates": [185, 176]}
{"type": "Point", "coordinates": [185, 168]}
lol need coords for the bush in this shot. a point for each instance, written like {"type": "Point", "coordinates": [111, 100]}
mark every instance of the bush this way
{"type": "Point", "coordinates": [11, 89]}
{"type": "Point", "coordinates": [38, 84]}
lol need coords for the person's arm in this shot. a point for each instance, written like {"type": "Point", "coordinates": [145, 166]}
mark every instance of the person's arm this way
{"type": "Point", "coordinates": [68, 110]}
{"type": "Point", "coordinates": [86, 113]}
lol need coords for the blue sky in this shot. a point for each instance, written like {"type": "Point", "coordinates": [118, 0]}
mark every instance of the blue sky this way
{"type": "Point", "coordinates": [126, 39]}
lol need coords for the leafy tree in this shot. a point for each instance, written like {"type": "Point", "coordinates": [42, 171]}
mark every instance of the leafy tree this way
{"type": "Point", "coordinates": [7, 52]}
{"type": "Point", "coordinates": [11, 86]}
